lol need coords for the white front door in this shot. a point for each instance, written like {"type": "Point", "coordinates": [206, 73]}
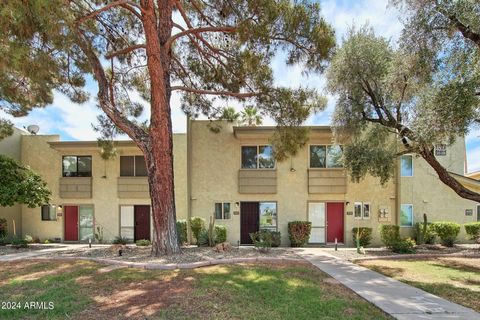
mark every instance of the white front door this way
{"type": "Point", "coordinates": [316, 215]}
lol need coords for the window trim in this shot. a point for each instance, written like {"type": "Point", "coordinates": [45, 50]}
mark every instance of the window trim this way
{"type": "Point", "coordinates": [411, 156]}
{"type": "Point", "coordinates": [361, 210]}
{"type": "Point", "coordinates": [223, 210]}
{"type": "Point", "coordinates": [49, 206]}
{"type": "Point", "coordinates": [258, 152]}
{"type": "Point", "coordinates": [77, 156]}
{"type": "Point", "coordinates": [134, 166]}
{"type": "Point", "coordinates": [326, 154]}
{"type": "Point", "coordinates": [399, 217]}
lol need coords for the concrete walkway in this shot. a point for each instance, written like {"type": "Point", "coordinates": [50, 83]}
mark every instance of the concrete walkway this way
{"type": "Point", "coordinates": [394, 297]}
{"type": "Point", "coordinates": [40, 252]}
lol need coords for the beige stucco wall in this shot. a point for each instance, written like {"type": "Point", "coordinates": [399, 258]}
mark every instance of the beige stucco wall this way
{"type": "Point", "coordinates": [47, 161]}
{"type": "Point", "coordinates": [216, 159]}
{"type": "Point", "coordinates": [11, 146]}
{"type": "Point", "coordinates": [429, 195]}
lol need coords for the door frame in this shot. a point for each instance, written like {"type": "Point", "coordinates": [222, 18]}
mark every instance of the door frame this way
{"type": "Point", "coordinates": [326, 215]}
{"type": "Point", "coordinates": [326, 220]}
{"type": "Point", "coordinates": [78, 217]}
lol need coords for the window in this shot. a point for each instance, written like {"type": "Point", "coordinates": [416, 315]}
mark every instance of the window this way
{"type": "Point", "coordinates": [326, 156]}
{"type": "Point", "coordinates": [406, 215]}
{"type": "Point", "coordinates": [268, 216]}
{"type": "Point", "coordinates": [49, 213]}
{"type": "Point", "coordinates": [133, 166]}
{"type": "Point", "coordinates": [478, 212]}
{"type": "Point", "coordinates": [406, 163]}
{"type": "Point", "coordinates": [357, 210]}
{"type": "Point", "coordinates": [257, 157]}
{"type": "Point", "coordinates": [222, 210]}
{"type": "Point", "coordinates": [86, 224]}
{"type": "Point", "coordinates": [77, 166]}
{"type": "Point", "coordinates": [366, 210]}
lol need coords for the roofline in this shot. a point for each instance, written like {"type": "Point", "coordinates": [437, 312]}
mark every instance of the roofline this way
{"type": "Point", "coordinates": [468, 179]}
{"type": "Point", "coordinates": [267, 128]}
{"type": "Point", "coordinates": [88, 144]}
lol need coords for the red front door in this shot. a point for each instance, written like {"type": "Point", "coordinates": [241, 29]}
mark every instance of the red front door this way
{"type": "Point", "coordinates": [334, 221]}
{"type": "Point", "coordinates": [142, 223]}
{"type": "Point", "coordinates": [71, 223]}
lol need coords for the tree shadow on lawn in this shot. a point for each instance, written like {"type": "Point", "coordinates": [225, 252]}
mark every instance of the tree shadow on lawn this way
{"type": "Point", "coordinates": [80, 291]}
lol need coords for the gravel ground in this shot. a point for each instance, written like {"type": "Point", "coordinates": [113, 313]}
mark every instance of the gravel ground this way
{"type": "Point", "coordinates": [188, 254]}
{"type": "Point", "coordinates": [351, 253]}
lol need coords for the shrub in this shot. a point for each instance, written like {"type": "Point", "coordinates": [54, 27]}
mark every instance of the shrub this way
{"type": "Point", "coordinates": [390, 234]}
{"type": "Point", "coordinates": [5, 240]}
{"type": "Point", "coordinates": [473, 230]}
{"type": "Point", "coordinates": [19, 242]}
{"type": "Point", "coordinates": [3, 227]}
{"type": "Point", "coordinates": [220, 234]}
{"type": "Point", "coordinates": [428, 237]}
{"type": "Point", "coordinates": [299, 232]}
{"type": "Point", "coordinates": [197, 224]}
{"type": "Point", "coordinates": [262, 240]}
{"type": "Point", "coordinates": [120, 240]}
{"type": "Point", "coordinates": [406, 245]}
{"type": "Point", "coordinates": [447, 231]}
{"type": "Point", "coordinates": [276, 238]}
{"type": "Point", "coordinates": [143, 243]}
{"type": "Point", "coordinates": [182, 232]}
{"type": "Point", "coordinates": [203, 238]}
{"type": "Point", "coordinates": [28, 238]}
{"type": "Point", "coordinates": [365, 236]}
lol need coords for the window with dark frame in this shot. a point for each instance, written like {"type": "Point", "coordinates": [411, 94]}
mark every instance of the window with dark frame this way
{"type": "Point", "coordinates": [133, 166]}
{"type": "Point", "coordinates": [326, 156]}
{"type": "Point", "coordinates": [77, 166]}
{"type": "Point", "coordinates": [222, 210]}
{"type": "Point", "coordinates": [258, 157]}
{"type": "Point", "coordinates": [48, 213]}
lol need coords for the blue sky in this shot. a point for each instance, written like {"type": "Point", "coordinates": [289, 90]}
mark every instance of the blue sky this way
{"type": "Point", "coordinates": [74, 122]}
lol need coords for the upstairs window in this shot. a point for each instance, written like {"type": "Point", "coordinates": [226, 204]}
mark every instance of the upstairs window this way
{"type": "Point", "coordinates": [406, 163]}
{"type": "Point", "coordinates": [48, 213]}
{"type": "Point", "coordinates": [322, 156]}
{"type": "Point", "coordinates": [257, 157]}
{"type": "Point", "coordinates": [132, 166]}
{"type": "Point", "coordinates": [77, 166]}
{"type": "Point", "coordinates": [222, 210]}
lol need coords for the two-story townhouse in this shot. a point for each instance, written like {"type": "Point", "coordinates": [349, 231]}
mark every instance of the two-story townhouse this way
{"type": "Point", "coordinates": [231, 175]}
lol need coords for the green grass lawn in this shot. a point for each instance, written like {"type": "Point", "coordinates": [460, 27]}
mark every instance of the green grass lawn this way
{"type": "Point", "coordinates": [455, 279]}
{"type": "Point", "coordinates": [81, 290]}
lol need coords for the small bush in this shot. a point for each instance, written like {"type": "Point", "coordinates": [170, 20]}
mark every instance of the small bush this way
{"type": "Point", "coordinates": [3, 227]}
{"type": "Point", "coordinates": [46, 241]}
{"type": "Point", "coordinates": [18, 242]}
{"type": "Point", "coordinates": [28, 238]}
{"type": "Point", "coordinates": [182, 232]}
{"type": "Point", "coordinates": [5, 240]}
{"type": "Point", "coordinates": [406, 245]}
{"type": "Point", "coordinates": [299, 232]}
{"type": "Point", "coordinates": [447, 231]}
{"type": "Point", "coordinates": [390, 234]}
{"type": "Point", "coordinates": [203, 238]}
{"type": "Point", "coordinates": [197, 224]}
{"type": "Point", "coordinates": [473, 230]}
{"type": "Point", "coordinates": [220, 234]}
{"type": "Point", "coordinates": [143, 243]}
{"type": "Point", "coordinates": [276, 239]}
{"type": "Point", "coordinates": [262, 240]}
{"type": "Point", "coordinates": [120, 240]}
{"type": "Point", "coordinates": [428, 238]}
{"type": "Point", "coordinates": [365, 236]}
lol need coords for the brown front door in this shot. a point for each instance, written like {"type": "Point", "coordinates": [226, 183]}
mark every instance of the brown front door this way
{"type": "Point", "coordinates": [335, 221]}
{"type": "Point", "coordinates": [71, 223]}
{"type": "Point", "coordinates": [142, 222]}
{"type": "Point", "coordinates": [249, 220]}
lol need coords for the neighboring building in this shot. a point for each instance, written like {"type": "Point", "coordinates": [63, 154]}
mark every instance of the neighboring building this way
{"type": "Point", "coordinates": [474, 175]}
{"type": "Point", "coordinates": [232, 175]}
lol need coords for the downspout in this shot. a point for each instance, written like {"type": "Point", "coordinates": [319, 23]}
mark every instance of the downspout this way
{"type": "Point", "coordinates": [189, 178]}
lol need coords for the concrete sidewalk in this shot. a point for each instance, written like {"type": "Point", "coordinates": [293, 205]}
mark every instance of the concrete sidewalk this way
{"type": "Point", "coordinates": [394, 297]}
{"type": "Point", "coordinates": [40, 252]}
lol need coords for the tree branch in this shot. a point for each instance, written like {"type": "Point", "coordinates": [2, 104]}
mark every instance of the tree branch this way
{"type": "Point", "coordinates": [120, 3]}
{"type": "Point", "coordinates": [218, 93]}
{"type": "Point", "coordinates": [197, 31]}
{"type": "Point", "coordinates": [124, 51]}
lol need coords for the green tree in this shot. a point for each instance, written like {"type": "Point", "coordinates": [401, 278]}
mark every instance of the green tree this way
{"type": "Point", "coordinates": [21, 185]}
{"type": "Point", "coordinates": [251, 117]}
{"type": "Point", "coordinates": [208, 49]}
{"type": "Point", "coordinates": [230, 114]}
{"type": "Point", "coordinates": [388, 105]}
